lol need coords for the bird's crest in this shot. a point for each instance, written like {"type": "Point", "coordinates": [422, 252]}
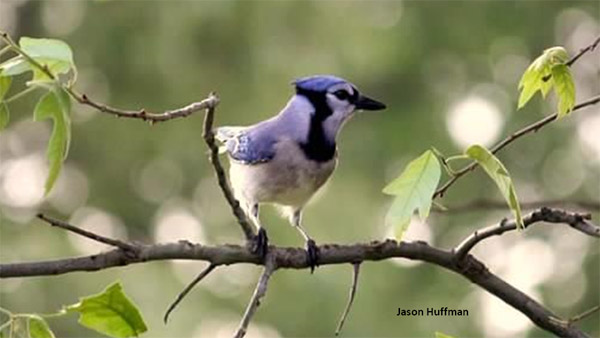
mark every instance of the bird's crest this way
{"type": "Point", "coordinates": [317, 83]}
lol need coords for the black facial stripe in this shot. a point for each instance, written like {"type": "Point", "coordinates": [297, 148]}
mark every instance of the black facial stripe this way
{"type": "Point", "coordinates": [317, 147]}
{"type": "Point", "coordinates": [354, 96]}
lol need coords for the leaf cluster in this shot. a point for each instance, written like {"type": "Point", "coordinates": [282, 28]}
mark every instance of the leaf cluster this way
{"type": "Point", "coordinates": [110, 312]}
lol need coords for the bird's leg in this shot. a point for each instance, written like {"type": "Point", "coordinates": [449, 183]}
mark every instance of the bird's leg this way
{"type": "Point", "coordinates": [311, 247]}
{"type": "Point", "coordinates": [261, 241]}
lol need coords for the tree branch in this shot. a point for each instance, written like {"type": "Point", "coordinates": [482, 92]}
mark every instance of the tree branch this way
{"type": "Point", "coordinates": [575, 220]}
{"type": "Point", "coordinates": [187, 289]}
{"type": "Point", "coordinates": [576, 57]}
{"type": "Point", "coordinates": [209, 138]}
{"type": "Point", "coordinates": [259, 293]}
{"type": "Point", "coordinates": [90, 235]}
{"type": "Point", "coordinates": [355, 272]}
{"type": "Point", "coordinates": [295, 258]}
{"type": "Point", "coordinates": [582, 51]}
{"type": "Point", "coordinates": [141, 114]}
{"type": "Point", "coordinates": [534, 127]}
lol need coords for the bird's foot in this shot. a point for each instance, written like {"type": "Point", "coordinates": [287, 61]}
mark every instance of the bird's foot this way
{"type": "Point", "coordinates": [312, 251]}
{"type": "Point", "coordinates": [261, 244]}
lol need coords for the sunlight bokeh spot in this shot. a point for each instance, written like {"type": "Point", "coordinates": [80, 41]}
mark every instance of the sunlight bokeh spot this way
{"type": "Point", "coordinates": [174, 222]}
{"type": "Point", "coordinates": [500, 320]}
{"type": "Point", "coordinates": [71, 190]}
{"type": "Point", "coordinates": [99, 222]}
{"type": "Point", "coordinates": [22, 181]}
{"type": "Point", "coordinates": [474, 120]}
{"type": "Point", "coordinates": [525, 254]}
{"type": "Point", "coordinates": [588, 133]}
{"type": "Point", "coordinates": [417, 231]}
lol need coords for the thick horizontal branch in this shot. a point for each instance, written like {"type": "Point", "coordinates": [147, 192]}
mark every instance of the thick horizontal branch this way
{"type": "Point", "coordinates": [534, 127]}
{"type": "Point", "coordinates": [295, 258]}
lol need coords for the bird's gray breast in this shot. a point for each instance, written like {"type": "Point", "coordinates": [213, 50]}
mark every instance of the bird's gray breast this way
{"type": "Point", "coordinates": [290, 178]}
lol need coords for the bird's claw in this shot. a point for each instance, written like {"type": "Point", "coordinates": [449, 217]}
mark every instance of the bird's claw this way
{"type": "Point", "coordinates": [261, 244]}
{"type": "Point", "coordinates": [312, 251]}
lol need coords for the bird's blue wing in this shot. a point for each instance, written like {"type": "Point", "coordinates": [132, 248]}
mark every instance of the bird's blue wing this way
{"type": "Point", "coordinates": [246, 145]}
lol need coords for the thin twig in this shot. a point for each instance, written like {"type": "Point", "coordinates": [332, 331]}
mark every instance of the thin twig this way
{"type": "Point", "coordinates": [98, 238]}
{"type": "Point", "coordinates": [582, 51]}
{"type": "Point", "coordinates": [355, 271]}
{"type": "Point", "coordinates": [584, 314]}
{"type": "Point", "coordinates": [508, 140]}
{"type": "Point", "coordinates": [259, 293]}
{"type": "Point", "coordinates": [187, 289]}
{"type": "Point", "coordinates": [486, 204]}
{"type": "Point", "coordinates": [141, 114]}
{"type": "Point", "coordinates": [575, 220]}
{"type": "Point", "coordinates": [209, 138]}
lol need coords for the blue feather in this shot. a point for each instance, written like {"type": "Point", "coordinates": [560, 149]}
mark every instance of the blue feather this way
{"type": "Point", "coordinates": [247, 145]}
{"type": "Point", "coordinates": [318, 83]}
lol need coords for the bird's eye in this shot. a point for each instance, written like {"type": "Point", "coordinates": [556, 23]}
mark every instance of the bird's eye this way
{"type": "Point", "coordinates": [341, 94]}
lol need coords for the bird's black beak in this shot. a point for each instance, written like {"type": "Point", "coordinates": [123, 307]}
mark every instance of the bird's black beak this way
{"type": "Point", "coordinates": [367, 103]}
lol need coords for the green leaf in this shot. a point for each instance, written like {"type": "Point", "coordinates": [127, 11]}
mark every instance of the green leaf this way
{"type": "Point", "coordinates": [413, 190]}
{"type": "Point", "coordinates": [47, 48]}
{"type": "Point", "coordinates": [5, 82]}
{"type": "Point", "coordinates": [532, 81]}
{"type": "Point", "coordinates": [564, 88]}
{"type": "Point", "coordinates": [56, 55]}
{"type": "Point", "coordinates": [56, 106]}
{"type": "Point", "coordinates": [557, 55]}
{"type": "Point", "coordinates": [496, 170]}
{"type": "Point", "coordinates": [442, 335]}
{"type": "Point", "coordinates": [14, 66]}
{"type": "Point", "coordinates": [38, 328]}
{"type": "Point", "coordinates": [538, 76]}
{"type": "Point", "coordinates": [4, 115]}
{"type": "Point", "coordinates": [110, 313]}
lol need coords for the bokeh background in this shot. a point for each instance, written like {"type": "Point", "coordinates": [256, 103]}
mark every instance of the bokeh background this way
{"type": "Point", "coordinates": [448, 72]}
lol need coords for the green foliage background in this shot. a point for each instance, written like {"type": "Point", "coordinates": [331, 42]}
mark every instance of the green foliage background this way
{"type": "Point", "coordinates": [417, 57]}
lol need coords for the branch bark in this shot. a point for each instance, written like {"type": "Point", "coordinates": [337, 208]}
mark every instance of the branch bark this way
{"type": "Point", "coordinates": [295, 258]}
{"type": "Point", "coordinates": [577, 221]}
{"type": "Point", "coordinates": [209, 139]}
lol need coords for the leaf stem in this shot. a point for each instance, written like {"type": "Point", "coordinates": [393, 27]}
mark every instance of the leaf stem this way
{"type": "Point", "coordinates": [20, 94]}
{"type": "Point", "coordinates": [457, 157]}
{"type": "Point", "coordinates": [4, 50]}
{"type": "Point", "coordinates": [5, 311]}
{"type": "Point", "coordinates": [8, 322]}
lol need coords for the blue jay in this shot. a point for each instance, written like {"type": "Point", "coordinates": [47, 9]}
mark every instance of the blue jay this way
{"type": "Point", "coordinates": [284, 160]}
